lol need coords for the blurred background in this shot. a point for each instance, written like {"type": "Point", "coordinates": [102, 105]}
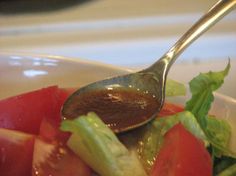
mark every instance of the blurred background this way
{"type": "Point", "coordinates": [126, 33]}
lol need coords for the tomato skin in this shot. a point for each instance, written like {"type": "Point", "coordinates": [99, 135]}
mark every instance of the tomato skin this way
{"type": "Point", "coordinates": [170, 109]}
{"type": "Point", "coordinates": [16, 149]}
{"type": "Point", "coordinates": [182, 154]}
{"type": "Point", "coordinates": [54, 159]}
{"type": "Point", "coordinates": [25, 112]}
{"type": "Point", "coordinates": [58, 159]}
{"type": "Point", "coordinates": [36, 112]}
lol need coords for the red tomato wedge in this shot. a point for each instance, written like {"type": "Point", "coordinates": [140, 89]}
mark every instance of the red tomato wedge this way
{"type": "Point", "coordinates": [182, 154]}
{"type": "Point", "coordinates": [36, 112]}
{"type": "Point", "coordinates": [170, 109]}
{"type": "Point", "coordinates": [50, 132]}
{"type": "Point", "coordinates": [16, 149]}
{"type": "Point", "coordinates": [51, 155]}
{"type": "Point", "coordinates": [55, 159]}
{"type": "Point", "coordinates": [25, 112]}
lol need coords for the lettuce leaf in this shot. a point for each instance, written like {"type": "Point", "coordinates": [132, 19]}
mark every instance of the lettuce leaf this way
{"type": "Point", "coordinates": [217, 131]}
{"type": "Point", "coordinates": [202, 88]}
{"type": "Point", "coordinates": [149, 144]}
{"type": "Point", "coordinates": [230, 171]}
{"type": "Point", "coordinates": [99, 147]}
{"type": "Point", "coordinates": [186, 118]}
{"type": "Point", "coordinates": [223, 163]}
{"type": "Point", "coordinates": [151, 141]}
{"type": "Point", "coordinates": [174, 88]}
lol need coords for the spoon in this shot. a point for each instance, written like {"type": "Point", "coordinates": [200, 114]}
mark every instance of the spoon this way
{"type": "Point", "coordinates": [129, 101]}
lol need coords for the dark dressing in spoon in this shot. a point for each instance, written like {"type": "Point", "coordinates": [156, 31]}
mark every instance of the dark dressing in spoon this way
{"type": "Point", "coordinates": [119, 108]}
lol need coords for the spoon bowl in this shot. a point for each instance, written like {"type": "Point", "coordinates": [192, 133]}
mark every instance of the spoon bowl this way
{"type": "Point", "coordinates": [129, 101]}
{"type": "Point", "coordinates": [135, 95]}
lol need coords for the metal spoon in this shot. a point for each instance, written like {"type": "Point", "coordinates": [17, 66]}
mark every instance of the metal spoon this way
{"type": "Point", "coordinates": [129, 101]}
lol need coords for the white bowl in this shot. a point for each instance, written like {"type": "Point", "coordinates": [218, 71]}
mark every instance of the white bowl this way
{"type": "Point", "coordinates": [25, 72]}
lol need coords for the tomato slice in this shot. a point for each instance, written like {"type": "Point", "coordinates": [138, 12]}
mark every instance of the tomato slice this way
{"type": "Point", "coordinates": [170, 109]}
{"type": "Point", "coordinates": [25, 112]}
{"type": "Point", "coordinates": [16, 149]}
{"type": "Point", "coordinates": [36, 112]}
{"type": "Point", "coordinates": [55, 159]}
{"type": "Point", "coordinates": [51, 155]}
{"type": "Point", "coordinates": [182, 154]}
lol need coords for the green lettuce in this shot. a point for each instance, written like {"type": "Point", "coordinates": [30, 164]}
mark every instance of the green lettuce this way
{"type": "Point", "coordinates": [230, 171]}
{"type": "Point", "coordinates": [174, 88]}
{"type": "Point", "coordinates": [202, 88]}
{"type": "Point", "coordinates": [99, 147]}
{"type": "Point", "coordinates": [217, 131]}
{"type": "Point", "coordinates": [223, 165]}
{"type": "Point", "coordinates": [151, 141]}
{"type": "Point", "coordinates": [149, 144]}
{"type": "Point", "coordinates": [186, 118]}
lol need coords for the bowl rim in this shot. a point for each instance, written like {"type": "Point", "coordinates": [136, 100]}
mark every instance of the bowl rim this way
{"type": "Point", "coordinates": [224, 97]}
{"type": "Point", "coordinates": [65, 59]}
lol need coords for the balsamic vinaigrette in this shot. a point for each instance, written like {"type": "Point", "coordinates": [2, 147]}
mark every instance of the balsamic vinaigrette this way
{"type": "Point", "coordinates": [119, 108]}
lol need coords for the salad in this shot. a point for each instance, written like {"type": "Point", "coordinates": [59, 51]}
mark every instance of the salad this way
{"type": "Point", "coordinates": [181, 140]}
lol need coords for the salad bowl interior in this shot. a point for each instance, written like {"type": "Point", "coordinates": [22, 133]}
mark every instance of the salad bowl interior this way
{"type": "Point", "coordinates": [25, 72]}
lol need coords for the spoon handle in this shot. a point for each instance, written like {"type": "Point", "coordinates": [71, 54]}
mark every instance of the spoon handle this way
{"type": "Point", "coordinates": [218, 11]}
